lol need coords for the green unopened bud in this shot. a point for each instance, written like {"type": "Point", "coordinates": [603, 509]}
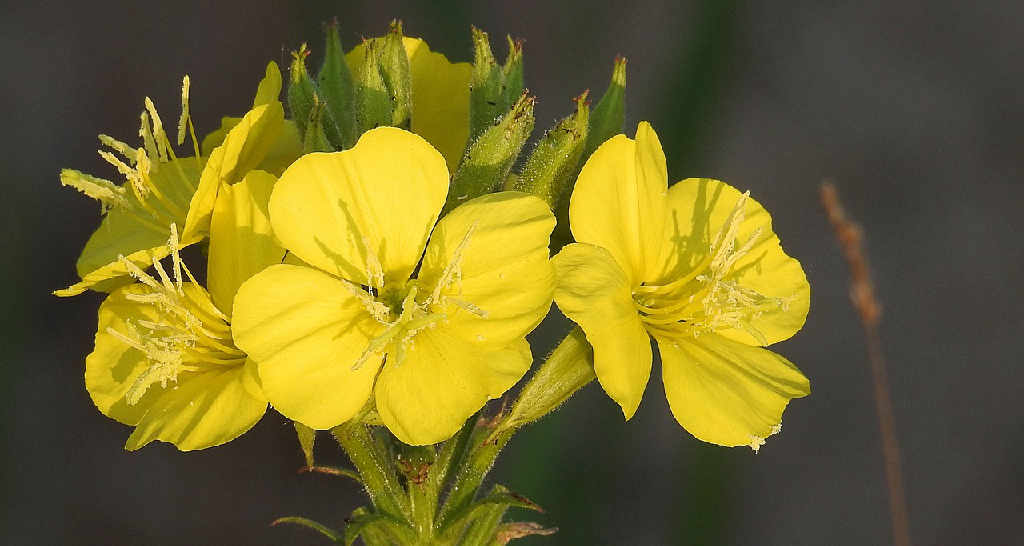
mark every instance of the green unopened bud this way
{"type": "Point", "coordinates": [490, 158]}
{"type": "Point", "coordinates": [315, 138]}
{"type": "Point", "coordinates": [373, 104]}
{"type": "Point", "coordinates": [337, 91]}
{"type": "Point", "coordinates": [547, 173]}
{"type": "Point", "coordinates": [567, 369]}
{"type": "Point", "coordinates": [485, 94]}
{"type": "Point", "coordinates": [300, 89]}
{"type": "Point", "coordinates": [394, 68]}
{"type": "Point", "coordinates": [610, 112]}
{"type": "Point", "coordinates": [512, 73]}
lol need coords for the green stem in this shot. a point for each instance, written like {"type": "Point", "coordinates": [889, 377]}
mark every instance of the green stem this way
{"type": "Point", "coordinates": [377, 473]}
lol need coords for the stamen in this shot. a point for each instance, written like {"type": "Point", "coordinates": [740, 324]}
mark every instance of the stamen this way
{"type": "Point", "coordinates": [452, 272]}
{"type": "Point", "coordinates": [106, 192]}
{"type": "Point", "coordinates": [120, 147]}
{"type": "Point", "coordinates": [183, 119]}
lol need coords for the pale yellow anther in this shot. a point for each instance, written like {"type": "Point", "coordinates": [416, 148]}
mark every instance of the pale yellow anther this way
{"type": "Point", "coordinates": [183, 120]}
{"type": "Point", "coordinates": [106, 192]}
{"type": "Point", "coordinates": [146, 133]}
{"type": "Point", "coordinates": [127, 151]}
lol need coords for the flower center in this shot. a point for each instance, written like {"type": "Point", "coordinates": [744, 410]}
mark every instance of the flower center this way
{"type": "Point", "coordinates": [189, 333]}
{"type": "Point", "coordinates": [405, 311]}
{"type": "Point", "coordinates": [705, 300]}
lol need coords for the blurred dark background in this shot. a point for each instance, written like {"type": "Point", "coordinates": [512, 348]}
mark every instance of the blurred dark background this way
{"type": "Point", "coordinates": [913, 108]}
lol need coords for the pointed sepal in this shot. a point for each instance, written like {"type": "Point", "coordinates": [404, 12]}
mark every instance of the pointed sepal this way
{"type": "Point", "coordinates": [610, 113]}
{"type": "Point", "coordinates": [550, 168]}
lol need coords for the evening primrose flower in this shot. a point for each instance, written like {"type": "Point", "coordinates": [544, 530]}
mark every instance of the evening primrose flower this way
{"type": "Point", "coordinates": [162, 189]}
{"type": "Point", "coordinates": [440, 96]}
{"type": "Point", "coordinates": [696, 267]}
{"type": "Point", "coordinates": [432, 339]}
{"type": "Point", "coordinates": [164, 360]}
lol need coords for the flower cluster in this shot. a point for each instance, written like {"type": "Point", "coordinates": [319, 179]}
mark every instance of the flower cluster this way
{"type": "Point", "coordinates": [378, 257]}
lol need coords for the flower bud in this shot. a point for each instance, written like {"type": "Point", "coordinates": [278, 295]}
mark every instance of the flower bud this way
{"type": "Point", "coordinates": [316, 138]}
{"type": "Point", "coordinates": [512, 73]}
{"type": "Point", "coordinates": [491, 157]}
{"type": "Point", "coordinates": [610, 112]}
{"type": "Point", "coordinates": [485, 94]}
{"type": "Point", "coordinates": [548, 172]}
{"type": "Point", "coordinates": [567, 369]}
{"type": "Point", "coordinates": [394, 68]}
{"type": "Point", "coordinates": [373, 104]}
{"type": "Point", "coordinates": [337, 92]}
{"type": "Point", "coordinates": [300, 89]}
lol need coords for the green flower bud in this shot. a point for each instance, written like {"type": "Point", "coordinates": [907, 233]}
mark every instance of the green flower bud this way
{"type": "Point", "coordinates": [300, 89]}
{"type": "Point", "coordinates": [512, 74]}
{"type": "Point", "coordinates": [373, 103]}
{"type": "Point", "coordinates": [610, 112]}
{"type": "Point", "coordinates": [337, 91]}
{"type": "Point", "coordinates": [486, 94]}
{"type": "Point", "coordinates": [552, 165]}
{"type": "Point", "coordinates": [394, 68]}
{"type": "Point", "coordinates": [491, 157]}
{"type": "Point", "coordinates": [316, 139]}
{"type": "Point", "coordinates": [568, 369]}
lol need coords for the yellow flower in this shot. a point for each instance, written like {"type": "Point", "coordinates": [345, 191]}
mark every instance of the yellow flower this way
{"type": "Point", "coordinates": [164, 360]}
{"type": "Point", "coordinates": [162, 189]}
{"type": "Point", "coordinates": [440, 97]}
{"type": "Point", "coordinates": [351, 320]}
{"type": "Point", "coordinates": [698, 268]}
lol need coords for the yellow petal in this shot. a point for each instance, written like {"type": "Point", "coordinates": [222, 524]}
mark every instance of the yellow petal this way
{"type": "Point", "coordinates": [354, 212]}
{"type": "Point", "coordinates": [700, 208]}
{"type": "Point", "coordinates": [113, 365]}
{"type": "Point", "coordinates": [503, 266]}
{"type": "Point", "coordinates": [306, 330]}
{"type": "Point", "coordinates": [440, 97]}
{"type": "Point", "coordinates": [593, 291]}
{"type": "Point", "coordinates": [244, 148]}
{"type": "Point", "coordinates": [285, 150]}
{"type": "Point", "coordinates": [269, 89]}
{"type": "Point", "coordinates": [728, 393]}
{"type": "Point", "coordinates": [136, 235]}
{"type": "Point", "coordinates": [426, 398]}
{"type": "Point", "coordinates": [619, 202]}
{"type": "Point", "coordinates": [242, 243]}
{"type": "Point", "coordinates": [202, 410]}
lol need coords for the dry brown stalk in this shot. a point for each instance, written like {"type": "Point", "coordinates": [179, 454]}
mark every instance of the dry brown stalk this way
{"type": "Point", "coordinates": [862, 295]}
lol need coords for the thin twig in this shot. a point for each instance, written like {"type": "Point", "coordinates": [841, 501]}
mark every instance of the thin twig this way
{"type": "Point", "coordinates": [862, 294]}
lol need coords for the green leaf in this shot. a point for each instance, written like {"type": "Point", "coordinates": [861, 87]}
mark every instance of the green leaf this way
{"type": "Point", "coordinates": [332, 471]}
{"type": "Point", "coordinates": [500, 497]}
{"type": "Point", "coordinates": [307, 437]}
{"type": "Point", "coordinates": [306, 522]}
{"type": "Point", "coordinates": [376, 528]}
{"type": "Point", "coordinates": [338, 90]}
{"type": "Point", "coordinates": [518, 529]}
